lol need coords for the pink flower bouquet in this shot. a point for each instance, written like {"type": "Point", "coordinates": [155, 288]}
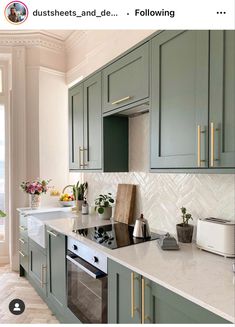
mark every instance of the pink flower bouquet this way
{"type": "Point", "coordinates": [38, 186]}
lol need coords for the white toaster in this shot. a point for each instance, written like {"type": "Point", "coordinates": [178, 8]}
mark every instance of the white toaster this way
{"type": "Point", "coordinates": [216, 235]}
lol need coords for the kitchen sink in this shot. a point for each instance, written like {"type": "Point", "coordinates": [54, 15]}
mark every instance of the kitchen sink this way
{"type": "Point", "coordinates": [37, 224]}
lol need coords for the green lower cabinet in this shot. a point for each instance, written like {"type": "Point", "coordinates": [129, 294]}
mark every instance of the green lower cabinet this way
{"type": "Point", "coordinates": [123, 304]}
{"type": "Point", "coordinates": [56, 271]}
{"type": "Point", "coordinates": [37, 267]}
{"type": "Point", "coordinates": [151, 302]}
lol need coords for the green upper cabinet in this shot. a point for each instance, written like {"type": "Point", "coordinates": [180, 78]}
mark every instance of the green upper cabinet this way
{"type": "Point", "coordinates": [56, 270]}
{"type": "Point", "coordinates": [222, 99]}
{"type": "Point", "coordinates": [76, 118]}
{"type": "Point", "coordinates": [126, 81]}
{"type": "Point", "coordinates": [92, 123]}
{"type": "Point", "coordinates": [85, 125]}
{"type": "Point", "coordinates": [179, 99]}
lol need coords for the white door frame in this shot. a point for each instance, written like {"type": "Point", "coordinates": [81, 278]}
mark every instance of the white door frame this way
{"type": "Point", "coordinates": [5, 100]}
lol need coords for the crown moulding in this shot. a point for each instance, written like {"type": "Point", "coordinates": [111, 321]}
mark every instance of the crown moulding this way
{"type": "Point", "coordinates": [31, 40]}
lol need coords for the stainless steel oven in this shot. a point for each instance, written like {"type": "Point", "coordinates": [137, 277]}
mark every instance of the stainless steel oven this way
{"type": "Point", "coordinates": [87, 282]}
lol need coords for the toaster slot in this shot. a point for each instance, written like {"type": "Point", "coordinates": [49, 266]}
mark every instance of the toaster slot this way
{"type": "Point", "coordinates": [217, 220]}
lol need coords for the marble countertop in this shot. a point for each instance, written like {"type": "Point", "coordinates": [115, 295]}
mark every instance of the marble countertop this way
{"type": "Point", "coordinates": [204, 278]}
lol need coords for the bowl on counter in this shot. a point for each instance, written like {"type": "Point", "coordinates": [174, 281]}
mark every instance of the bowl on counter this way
{"type": "Point", "coordinates": [67, 203]}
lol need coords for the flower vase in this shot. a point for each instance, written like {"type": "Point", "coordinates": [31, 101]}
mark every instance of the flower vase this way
{"type": "Point", "coordinates": [35, 201]}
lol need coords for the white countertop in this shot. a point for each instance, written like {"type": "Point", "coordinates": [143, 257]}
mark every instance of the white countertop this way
{"type": "Point", "coordinates": [203, 278]}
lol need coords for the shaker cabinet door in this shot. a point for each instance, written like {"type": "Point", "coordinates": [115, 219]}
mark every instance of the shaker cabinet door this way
{"type": "Point", "coordinates": [92, 152]}
{"type": "Point", "coordinates": [76, 117]}
{"type": "Point", "coordinates": [222, 99]}
{"type": "Point", "coordinates": [56, 272]}
{"type": "Point", "coordinates": [37, 267]}
{"type": "Point", "coordinates": [124, 304]}
{"type": "Point", "coordinates": [126, 81]}
{"type": "Point", "coordinates": [179, 97]}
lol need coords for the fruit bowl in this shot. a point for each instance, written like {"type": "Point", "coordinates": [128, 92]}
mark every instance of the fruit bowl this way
{"type": "Point", "coordinates": [67, 203]}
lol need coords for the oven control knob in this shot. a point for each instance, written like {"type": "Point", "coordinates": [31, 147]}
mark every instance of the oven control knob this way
{"type": "Point", "coordinates": [75, 247]}
{"type": "Point", "coordinates": [95, 259]}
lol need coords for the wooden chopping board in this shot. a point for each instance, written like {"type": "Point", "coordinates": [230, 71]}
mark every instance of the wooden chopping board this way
{"type": "Point", "coordinates": [125, 202]}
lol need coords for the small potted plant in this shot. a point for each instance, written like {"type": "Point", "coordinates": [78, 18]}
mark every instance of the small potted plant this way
{"type": "Point", "coordinates": [103, 205]}
{"type": "Point", "coordinates": [184, 230]}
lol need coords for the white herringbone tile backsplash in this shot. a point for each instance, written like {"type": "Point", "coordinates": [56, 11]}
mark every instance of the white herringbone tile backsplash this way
{"type": "Point", "coordinates": [160, 195]}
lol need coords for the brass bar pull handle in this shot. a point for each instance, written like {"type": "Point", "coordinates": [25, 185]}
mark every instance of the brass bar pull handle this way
{"type": "Point", "coordinates": [51, 233]}
{"type": "Point", "coordinates": [22, 254]}
{"type": "Point", "coordinates": [42, 275]}
{"type": "Point", "coordinates": [83, 161]}
{"type": "Point", "coordinates": [143, 301]}
{"type": "Point", "coordinates": [79, 156]}
{"type": "Point", "coordinates": [23, 228]}
{"type": "Point", "coordinates": [21, 241]}
{"type": "Point", "coordinates": [121, 100]}
{"type": "Point", "coordinates": [212, 144]}
{"type": "Point", "coordinates": [199, 146]}
{"type": "Point", "coordinates": [132, 294]}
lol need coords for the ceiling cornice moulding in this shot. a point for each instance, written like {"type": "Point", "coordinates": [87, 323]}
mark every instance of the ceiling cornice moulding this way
{"type": "Point", "coordinates": [30, 39]}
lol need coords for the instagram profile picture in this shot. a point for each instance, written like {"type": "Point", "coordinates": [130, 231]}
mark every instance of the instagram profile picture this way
{"type": "Point", "coordinates": [16, 12]}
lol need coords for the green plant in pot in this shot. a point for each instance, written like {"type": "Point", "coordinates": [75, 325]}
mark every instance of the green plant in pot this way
{"type": "Point", "coordinates": [184, 229]}
{"type": "Point", "coordinates": [103, 205]}
{"type": "Point", "coordinates": [79, 193]}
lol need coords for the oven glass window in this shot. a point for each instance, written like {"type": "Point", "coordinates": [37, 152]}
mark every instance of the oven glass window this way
{"type": "Point", "coordinates": [87, 296]}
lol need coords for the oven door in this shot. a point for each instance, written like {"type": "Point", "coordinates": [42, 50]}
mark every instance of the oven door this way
{"type": "Point", "coordinates": [87, 290]}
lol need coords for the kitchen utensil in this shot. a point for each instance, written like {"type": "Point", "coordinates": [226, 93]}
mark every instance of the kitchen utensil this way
{"type": "Point", "coordinates": [141, 228]}
{"type": "Point", "coordinates": [125, 202]}
{"type": "Point", "coordinates": [168, 242]}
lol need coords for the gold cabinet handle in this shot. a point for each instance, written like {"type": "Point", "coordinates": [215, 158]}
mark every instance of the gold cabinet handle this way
{"type": "Point", "coordinates": [143, 301]}
{"type": "Point", "coordinates": [79, 156]}
{"type": "Point", "coordinates": [21, 241]}
{"type": "Point", "coordinates": [132, 294]}
{"type": "Point", "coordinates": [199, 132]}
{"type": "Point", "coordinates": [22, 254]}
{"type": "Point", "coordinates": [212, 144]}
{"type": "Point", "coordinates": [121, 100]}
{"type": "Point", "coordinates": [43, 268]}
{"type": "Point", "coordinates": [199, 146]}
{"type": "Point", "coordinates": [83, 162]}
{"type": "Point", "coordinates": [51, 233]}
{"type": "Point", "coordinates": [23, 228]}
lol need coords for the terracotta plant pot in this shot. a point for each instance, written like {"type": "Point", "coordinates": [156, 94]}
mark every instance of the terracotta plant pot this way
{"type": "Point", "coordinates": [107, 214]}
{"type": "Point", "coordinates": [184, 233]}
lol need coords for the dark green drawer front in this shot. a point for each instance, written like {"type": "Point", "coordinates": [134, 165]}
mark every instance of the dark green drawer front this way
{"type": "Point", "coordinates": [126, 80]}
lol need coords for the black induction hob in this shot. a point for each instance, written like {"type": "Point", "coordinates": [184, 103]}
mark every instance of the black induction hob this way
{"type": "Point", "coordinates": [113, 236]}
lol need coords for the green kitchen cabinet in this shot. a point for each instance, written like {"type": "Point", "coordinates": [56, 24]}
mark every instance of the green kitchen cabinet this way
{"type": "Point", "coordinates": [150, 302]}
{"type": "Point", "coordinates": [179, 99]}
{"type": "Point", "coordinates": [37, 267]}
{"type": "Point", "coordinates": [85, 125]}
{"type": "Point", "coordinates": [56, 270]}
{"type": "Point", "coordinates": [123, 295]}
{"type": "Point", "coordinates": [126, 81]}
{"type": "Point", "coordinates": [76, 119]}
{"type": "Point", "coordinates": [222, 99]}
{"type": "Point", "coordinates": [23, 245]}
{"type": "Point", "coordinates": [163, 306]}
